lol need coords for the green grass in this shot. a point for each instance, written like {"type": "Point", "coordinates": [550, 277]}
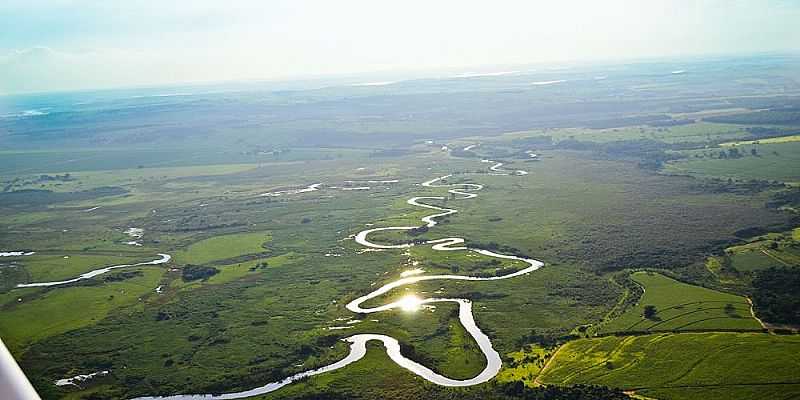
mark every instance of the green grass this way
{"type": "Point", "coordinates": [46, 267]}
{"type": "Point", "coordinates": [778, 161]}
{"type": "Point", "coordinates": [753, 260]}
{"type": "Point", "coordinates": [64, 309]}
{"type": "Point", "coordinates": [683, 366]}
{"type": "Point", "coordinates": [374, 376]}
{"type": "Point", "coordinates": [525, 364]}
{"type": "Point", "coordinates": [85, 180]}
{"type": "Point", "coordinates": [262, 320]}
{"type": "Point", "coordinates": [770, 250]}
{"type": "Point", "coordinates": [222, 247]}
{"type": "Point", "coordinates": [585, 216]}
{"type": "Point", "coordinates": [232, 272]}
{"type": "Point", "coordinates": [781, 139]}
{"type": "Point", "coordinates": [26, 162]}
{"type": "Point", "coordinates": [699, 132]}
{"type": "Point", "coordinates": [681, 306]}
{"type": "Point", "coordinates": [242, 328]}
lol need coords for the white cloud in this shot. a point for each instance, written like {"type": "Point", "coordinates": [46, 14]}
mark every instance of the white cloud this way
{"type": "Point", "coordinates": [100, 43]}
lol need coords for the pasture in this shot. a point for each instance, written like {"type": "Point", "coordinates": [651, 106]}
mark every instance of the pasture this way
{"type": "Point", "coordinates": [61, 266]}
{"type": "Point", "coordinates": [680, 306]}
{"type": "Point", "coordinates": [222, 247]}
{"type": "Point", "coordinates": [765, 251]}
{"type": "Point", "coordinates": [32, 315]}
{"type": "Point", "coordinates": [779, 161]}
{"type": "Point", "coordinates": [683, 366]}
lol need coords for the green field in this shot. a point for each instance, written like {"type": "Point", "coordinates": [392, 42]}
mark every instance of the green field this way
{"type": "Point", "coordinates": [680, 306]}
{"type": "Point", "coordinates": [778, 161]}
{"type": "Point", "coordinates": [761, 252]}
{"type": "Point", "coordinates": [287, 265]}
{"type": "Point", "coordinates": [683, 366]}
{"type": "Point", "coordinates": [42, 267]}
{"type": "Point", "coordinates": [658, 202]}
{"type": "Point", "coordinates": [222, 247]}
{"type": "Point", "coordinates": [525, 365]}
{"type": "Point", "coordinates": [781, 139]}
{"type": "Point", "coordinates": [31, 316]}
{"type": "Point", "coordinates": [699, 132]}
{"type": "Point", "coordinates": [753, 260]}
{"type": "Point", "coordinates": [84, 180]}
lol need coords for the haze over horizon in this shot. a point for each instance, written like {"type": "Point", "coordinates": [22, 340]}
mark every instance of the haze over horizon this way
{"type": "Point", "coordinates": [73, 45]}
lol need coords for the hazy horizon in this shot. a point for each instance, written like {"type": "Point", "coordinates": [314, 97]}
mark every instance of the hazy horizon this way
{"type": "Point", "coordinates": [71, 45]}
{"type": "Point", "coordinates": [396, 76]}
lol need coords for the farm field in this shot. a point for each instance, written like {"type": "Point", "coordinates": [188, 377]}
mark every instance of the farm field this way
{"type": "Point", "coordinates": [680, 306]}
{"type": "Point", "coordinates": [683, 366]}
{"type": "Point", "coordinates": [780, 139]}
{"type": "Point", "coordinates": [222, 247]}
{"type": "Point", "coordinates": [777, 160]}
{"type": "Point", "coordinates": [771, 250]}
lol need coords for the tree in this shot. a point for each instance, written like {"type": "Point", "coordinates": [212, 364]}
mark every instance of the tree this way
{"type": "Point", "coordinates": [776, 295]}
{"type": "Point", "coordinates": [650, 311]}
{"type": "Point", "coordinates": [193, 272]}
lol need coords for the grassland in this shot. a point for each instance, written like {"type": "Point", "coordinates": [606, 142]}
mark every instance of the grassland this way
{"type": "Point", "coordinates": [158, 161]}
{"type": "Point", "coordinates": [286, 268]}
{"type": "Point", "coordinates": [683, 366]}
{"type": "Point", "coordinates": [781, 139]}
{"type": "Point", "coordinates": [595, 212]}
{"type": "Point", "coordinates": [85, 180]}
{"type": "Point", "coordinates": [236, 322]}
{"type": "Point", "coordinates": [222, 247]}
{"type": "Point", "coordinates": [53, 267]}
{"type": "Point", "coordinates": [525, 365]}
{"type": "Point", "coordinates": [32, 315]}
{"type": "Point", "coordinates": [778, 161]}
{"type": "Point", "coordinates": [598, 202]}
{"type": "Point", "coordinates": [699, 132]}
{"type": "Point", "coordinates": [753, 260]}
{"type": "Point", "coordinates": [765, 251]}
{"type": "Point", "coordinates": [680, 306]}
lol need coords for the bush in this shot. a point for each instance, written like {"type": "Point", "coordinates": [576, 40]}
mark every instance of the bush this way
{"type": "Point", "coordinates": [193, 272]}
{"type": "Point", "coordinates": [650, 311]}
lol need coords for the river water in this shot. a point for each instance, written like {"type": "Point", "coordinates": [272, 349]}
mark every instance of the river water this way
{"type": "Point", "coordinates": [358, 342]}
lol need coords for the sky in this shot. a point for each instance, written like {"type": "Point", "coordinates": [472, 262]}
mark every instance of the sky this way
{"type": "Point", "coordinates": [49, 45]}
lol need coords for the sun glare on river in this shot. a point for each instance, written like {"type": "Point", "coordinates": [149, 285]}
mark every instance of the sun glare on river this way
{"type": "Point", "coordinates": [409, 303]}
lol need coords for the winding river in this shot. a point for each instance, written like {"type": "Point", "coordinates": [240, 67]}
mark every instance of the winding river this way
{"type": "Point", "coordinates": [359, 342]}
{"type": "Point", "coordinates": [164, 258]}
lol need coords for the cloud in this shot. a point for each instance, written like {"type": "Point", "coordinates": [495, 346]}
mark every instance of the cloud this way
{"type": "Point", "coordinates": [41, 68]}
{"type": "Point", "coordinates": [56, 45]}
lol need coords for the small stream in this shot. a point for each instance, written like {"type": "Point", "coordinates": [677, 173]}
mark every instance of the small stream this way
{"type": "Point", "coordinates": [359, 342]}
